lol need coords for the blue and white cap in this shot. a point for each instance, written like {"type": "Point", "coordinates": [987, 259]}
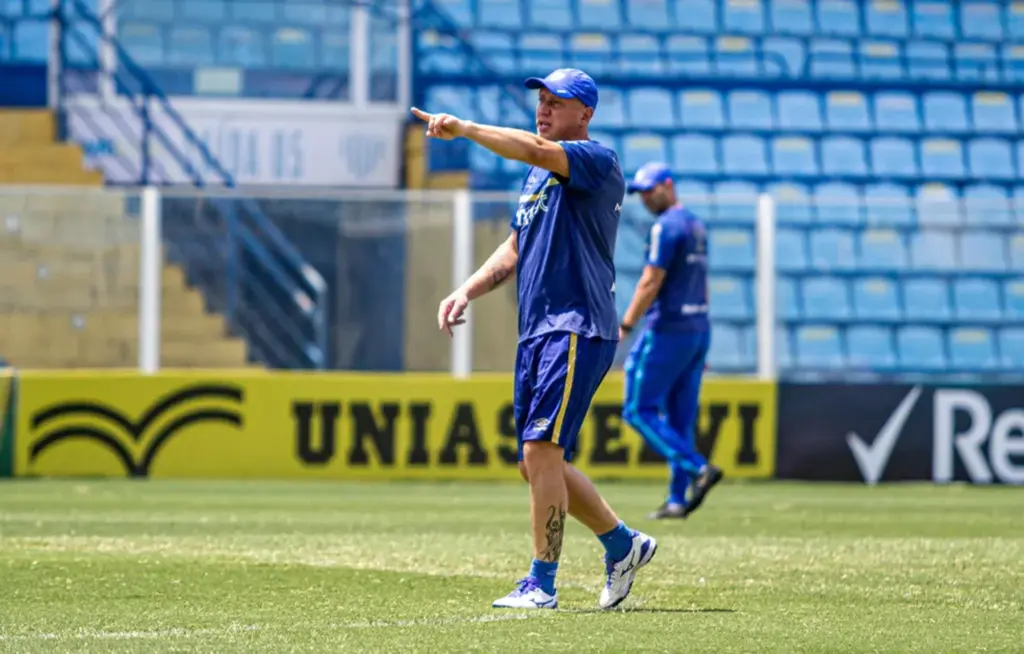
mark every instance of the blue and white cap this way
{"type": "Point", "coordinates": [568, 83]}
{"type": "Point", "coordinates": [650, 175]}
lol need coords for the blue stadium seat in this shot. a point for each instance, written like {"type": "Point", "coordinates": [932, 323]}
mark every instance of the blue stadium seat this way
{"type": "Point", "coordinates": [933, 250]}
{"type": "Point", "coordinates": [792, 202]}
{"type": "Point", "coordinates": [793, 156]}
{"type": "Point", "coordinates": [799, 111]}
{"type": "Point", "coordinates": [937, 204]}
{"type": "Point", "coordinates": [790, 250]}
{"type": "Point", "coordinates": [818, 347]}
{"type": "Point", "coordinates": [977, 300]}
{"type": "Point", "coordinates": [945, 112]}
{"type": "Point", "coordinates": [540, 53]}
{"type": "Point", "coordinates": [920, 348]}
{"type": "Point", "coordinates": [942, 159]}
{"type": "Point", "coordinates": [896, 112]}
{"type": "Point", "coordinates": [881, 60]}
{"type": "Point", "coordinates": [190, 46]}
{"type": "Point", "coordinates": [241, 46]}
{"type": "Point", "coordinates": [457, 100]}
{"type": "Point", "coordinates": [888, 205]}
{"type": "Point", "coordinates": [750, 110]}
{"type": "Point", "coordinates": [825, 298]}
{"type": "Point", "coordinates": [983, 251]}
{"type": "Point", "coordinates": [335, 51]}
{"type": "Point", "coordinates": [731, 248]}
{"type": "Point", "coordinates": [875, 298]}
{"type": "Point", "coordinates": [928, 60]}
{"type": "Point", "coordinates": [695, 16]}
{"type": "Point", "coordinates": [926, 299]}
{"type": "Point", "coordinates": [639, 148]}
{"type": "Point", "coordinates": [694, 154]}
{"type": "Point", "coordinates": [730, 297]}
{"type": "Point", "coordinates": [1013, 62]}
{"type": "Point", "coordinates": [252, 11]}
{"type": "Point", "coordinates": [972, 349]}
{"type": "Point", "coordinates": [792, 17]}
{"type": "Point", "coordinates": [696, 197]}
{"type": "Point", "coordinates": [461, 11]}
{"type": "Point", "coordinates": [1013, 292]}
{"type": "Point", "coordinates": [985, 204]}
{"type": "Point", "coordinates": [1011, 347]}
{"type": "Point", "coordinates": [783, 347]}
{"type": "Point", "coordinates": [496, 49]}
{"type": "Point", "coordinates": [743, 16]}
{"type": "Point", "coordinates": [292, 47]}
{"type": "Point", "coordinates": [893, 157]}
{"type": "Point", "coordinates": [144, 42]}
{"type": "Point", "coordinates": [933, 20]}
{"type": "Point", "coordinates": [981, 21]}
{"type": "Point", "coordinates": [31, 41]}
{"type": "Point", "coordinates": [612, 112]}
{"type": "Point", "coordinates": [783, 57]}
{"type": "Point", "coordinates": [550, 15]}
{"type": "Point", "coordinates": [726, 351]}
{"type": "Point", "coordinates": [611, 140]}
{"type": "Point", "coordinates": [735, 201]}
{"type": "Point", "coordinates": [833, 249]}
{"type": "Point", "coordinates": [976, 62]}
{"type": "Point", "coordinates": [990, 158]}
{"type": "Point", "coordinates": [5, 42]}
{"type": "Point", "coordinates": [440, 53]}
{"type": "Point", "coordinates": [688, 55]}
{"type": "Point", "coordinates": [650, 15]}
{"type": "Point", "coordinates": [847, 111]}
{"type": "Point", "coordinates": [598, 15]}
{"type": "Point", "coordinates": [831, 59]}
{"type": "Point", "coordinates": [592, 52]}
{"type": "Point", "coordinates": [500, 14]}
{"type": "Point", "coordinates": [838, 18]}
{"type": "Point", "coordinates": [882, 250]}
{"type": "Point", "coordinates": [843, 156]}
{"type": "Point", "coordinates": [735, 56]}
{"type": "Point", "coordinates": [701, 108]}
{"type": "Point", "coordinates": [1015, 21]}
{"type": "Point", "coordinates": [837, 202]}
{"type": "Point", "coordinates": [886, 18]}
{"type": "Point", "coordinates": [993, 112]}
{"type": "Point", "coordinates": [1016, 246]}
{"type": "Point", "coordinates": [744, 155]}
{"type": "Point", "coordinates": [207, 11]}
{"type": "Point", "coordinates": [870, 347]}
{"type": "Point", "coordinates": [640, 54]}
{"type": "Point", "coordinates": [651, 108]}
{"type": "Point", "coordinates": [787, 306]}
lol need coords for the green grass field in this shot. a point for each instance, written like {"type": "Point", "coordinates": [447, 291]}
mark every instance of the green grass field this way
{"type": "Point", "coordinates": [118, 566]}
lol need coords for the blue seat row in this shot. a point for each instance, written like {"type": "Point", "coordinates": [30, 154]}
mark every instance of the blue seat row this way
{"type": "Point", "coordinates": [882, 18]}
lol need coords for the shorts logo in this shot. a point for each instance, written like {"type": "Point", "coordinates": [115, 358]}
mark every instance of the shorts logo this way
{"type": "Point", "coordinates": [136, 443]}
{"type": "Point", "coordinates": [540, 424]}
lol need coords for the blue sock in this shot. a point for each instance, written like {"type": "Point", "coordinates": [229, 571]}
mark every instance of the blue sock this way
{"type": "Point", "coordinates": [618, 541]}
{"type": "Point", "coordinates": [544, 573]}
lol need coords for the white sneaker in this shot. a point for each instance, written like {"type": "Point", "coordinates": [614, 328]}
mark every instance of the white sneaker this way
{"type": "Point", "coordinates": [527, 595]}
{"type": "Point", "coordinates": [622, 573]}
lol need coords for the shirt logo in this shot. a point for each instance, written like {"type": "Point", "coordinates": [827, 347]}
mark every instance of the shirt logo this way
{"type": "Point", "coordinates": [532, 205]}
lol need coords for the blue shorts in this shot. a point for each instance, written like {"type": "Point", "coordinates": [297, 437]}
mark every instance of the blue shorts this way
{"type": "Point", "coordinates": [556, 377]}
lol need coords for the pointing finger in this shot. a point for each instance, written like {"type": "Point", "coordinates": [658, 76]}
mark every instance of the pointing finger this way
{"type": "Point", "coordinates": [422, 115]}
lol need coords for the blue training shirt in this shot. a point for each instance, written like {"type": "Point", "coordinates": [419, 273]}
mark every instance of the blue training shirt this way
{"type": "Point", "coordinates": [677, 243]}
{"type": "Point", "coordinates": [566, 230]}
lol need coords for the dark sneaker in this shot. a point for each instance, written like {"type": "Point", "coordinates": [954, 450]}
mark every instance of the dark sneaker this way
{"type": "Point", "coordinates": [668, 511]}
{"type": "Point", "coordinates": [703, 485]}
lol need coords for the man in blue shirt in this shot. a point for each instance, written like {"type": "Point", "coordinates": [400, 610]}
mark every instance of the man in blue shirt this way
{"type": "Point", "coordinates": [560, 248]}
{"type": "Point", "coordinates": [666, 363]}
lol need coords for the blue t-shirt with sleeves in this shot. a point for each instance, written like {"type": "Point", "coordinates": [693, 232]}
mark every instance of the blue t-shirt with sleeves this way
{"type": "Point", "coordinates": [677, 243]}
{"type": "Point", "coordinates": [566, 230]}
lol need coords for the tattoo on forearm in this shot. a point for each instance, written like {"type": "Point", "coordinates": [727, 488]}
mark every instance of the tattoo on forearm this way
{"type": "Point", "coordinates": [498, 275]}
{"type": "Point", "coordinates": [555, 528]}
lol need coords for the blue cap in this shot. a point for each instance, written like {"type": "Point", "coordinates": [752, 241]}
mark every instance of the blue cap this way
{"type": "Point", "coordinates": [649, 176]}
{"type": "Point", "coordinates": [568, 83]}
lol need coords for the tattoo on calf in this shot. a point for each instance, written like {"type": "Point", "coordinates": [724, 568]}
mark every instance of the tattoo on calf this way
{"type": "Point", "coordinates": [555, 530]}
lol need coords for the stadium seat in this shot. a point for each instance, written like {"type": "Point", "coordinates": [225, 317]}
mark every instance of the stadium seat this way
{"type": "Point", "coordinates": [1013, 62]}
{"type": "Point", "coordinates": [735, 56]}
{"type": "Point", "coordinates": [843, 156]}
{"type": "Point", "coordinates": [651, 108]}
{"type": "Point", "coordinates": [783, 57]}
{"type": "Point", "coordinates": [440, 53]}
{"type": "Point", "coordinates": [744, 155]}
{"type": "Point", "coordinates": [500, 14]}
{"type": "Point", "coordinates": [1016, 246]}
{"type": "Point", "coordinates": [694, 16]}
{"type": "Point", "coordinates": [730, 297]}
{"type": "Point", "coordinates": [335, 51]}
{"type": "Point", "coordinates": [972, 349]}
{"type": "Point", "coordinates": [976, 62]}
{"type": "Point", "coordinates": [927, 60]}
{"type": "Point", "coordinates": [783, 347]}
{"type": "Point", "coordinates": [945, 112]}
{"type": "Point", "coordinates": [886, 18]}
{"type": "Point", "coordinates": [981, 21]}
{"type": "Point", "coordinates": [880, 60]}
{"type": "Point", "coordinates": [887, 205]}
{"type": "Point", "coordinates": [1013, 294]}
{"type": "Point", "coordinates": [292, 47]}
{"type": "Point", "coordinates": [613, 110]}
{"type": "Point", "coordinates": [598, 15]}
{"type": "Point", "coordinates": [1015, 21]}
{"type": "Point", "coordinates": [164, 11]}
{"type": "Point", "coordinates": [932, 250]}
{"type": "Point", "coordinates": [592, 52]}
{"type": "Point", "coordinates": [457, 100]}
{"type": "Point", "coordinates": [787, 306]}
{"type": "Point", "coordinates": [496, 49]}
{"type": "Point", "coordinates": [694, 154]}
{"type": "Point", "coordinates": [792, 17]}
{"type": "Point", "coordinates": [790, 250]}
{"type": "Point", "coordinates": [1011, 347]}
{"type": "Point", "coordinates": [893, 158]}
{"type": "Point", "coordinates": [735, 201]}
{"type": "Point", "coordinates": [825, 298]}
{"type": "Point", "coordinates": [731, 249]}
{"type": "Point", "coordinates": [687, 55]}
{"type": "Point", "coordinates": [993, 112]}
{"type": "Point", "coordinates": [818, 347]}
{"type": "Point", "coordinates": [743, 16]}
{"type": "Point", "coordinates": [726, 352]}
{"type": "Point", "coordinates": [696, 197]}
{"type": "Point", "coordinates": [639, 148]}
{"type": "Point", "coordinates": [838, 18]}
{"type": "Point", "coordinates": [977, 300]}
{"type": "Point", "coordinates": [539, 54]}
{"type": "Point", "coordinates": [837, 202]}
{"type": "Point", "coordinates": [640, 54]}
{"type": "Point", "coordinates": [896, 112]}
{"type": "Point", "coordinates": [831, 59]}
{"type": "Point", "coordinates": [882, 250]}
{"type": "Point", "coordinates": [750, 110]}
{"type": "Point", "coordinates": [942, 159]}
{"type": "Point", "coordinates": [649, 15]}
{"type": "Point", "coordinates": [700, 109]}
{"type": "Point", "coordinates": [460, 11]}
{"type": "Point", "coordinates": [793, 156]}
{"type": "Point", "coordinates": [870, 347]}
{"type": "Point", "coordinates": [550, 15]}
{"type": "Point", "coordinates": [990, 159]}
{"type": "Point", "coordinates": [985, 204]}
{"type": "Point", "coordinates": [847, 111]}
{"type": "Point", "coordinates": [144, 42]}
{"type": "Point", "coordinates": [832, 249]}
{"type": "Point", "coordinates": [937, 204]}
{"type": "Point", "coordinates": [921, 348]}
{"type": "Point", "coordinates": [875, 298]}
{"type": "Point", "coordinates": [190, 46]}
{"type": "Point", "coordinates": [926, 299]}
{"type": "Point", "coordinates": [799, 111]}
{"type": "Point", "coordinates": [792, 203]}
{"type": "Point", "coordinates": [982, 251]}
{"type": "Point", "coordinates": [933, 20]}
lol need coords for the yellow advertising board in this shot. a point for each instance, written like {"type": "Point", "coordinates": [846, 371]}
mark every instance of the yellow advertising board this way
{"type": "Point", "coordinates": [343, 426]}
